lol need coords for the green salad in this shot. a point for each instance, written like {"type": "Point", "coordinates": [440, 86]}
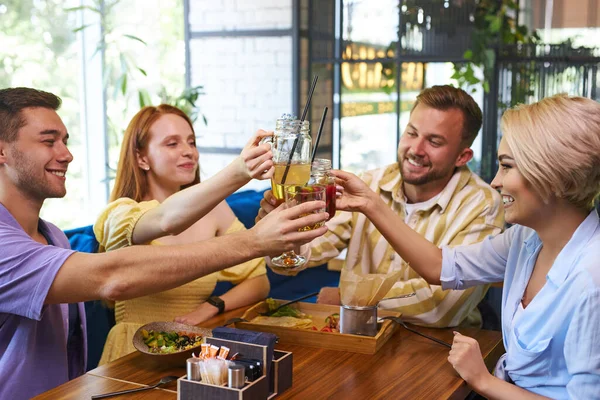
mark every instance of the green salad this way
{"type": "Point", "coordinates": [170, 342]}
{"type": "Point", "coordinates": [285, 311]}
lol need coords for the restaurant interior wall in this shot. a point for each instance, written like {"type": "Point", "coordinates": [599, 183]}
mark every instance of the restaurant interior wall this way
{"type": "Point", "coordinates": [39, 49]}
{"type": "Point", "coordinates": [242, 53]}
{"type": "Point", "coordinates": [256, 59]}
{"type": "Point", "coordinates": [363, 51]}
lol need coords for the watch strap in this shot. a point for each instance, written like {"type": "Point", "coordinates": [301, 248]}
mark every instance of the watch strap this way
{"type": "Point", "coordinates": [217, 302]}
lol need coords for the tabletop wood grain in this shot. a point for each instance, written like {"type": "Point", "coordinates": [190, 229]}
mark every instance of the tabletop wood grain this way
{"type": "Point", "coordinates": [88, 385]}
{"type": "Point", "coordinates": [407, 366]}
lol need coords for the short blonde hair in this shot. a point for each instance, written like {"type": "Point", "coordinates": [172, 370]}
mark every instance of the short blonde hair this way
{"type": "Point", "coordinates": [556, 144]}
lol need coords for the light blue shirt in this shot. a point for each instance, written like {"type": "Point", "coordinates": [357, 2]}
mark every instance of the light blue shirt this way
{"type": "Point", "coordinates": [553, 349]}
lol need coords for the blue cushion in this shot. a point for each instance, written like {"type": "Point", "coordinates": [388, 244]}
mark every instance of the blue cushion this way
{"type": "Point", "coordinates": [245, 205]}
{"type": "Point", "coordinates": [100, 318]}
{"type": "Point", "coordinates": [291, 287]}
{"type": "Point", "coordinates": [307, 281]}
{"type": "Point", "coordinates": [221, 288]}
{"type": "Point", "coordinates": [83, 239]}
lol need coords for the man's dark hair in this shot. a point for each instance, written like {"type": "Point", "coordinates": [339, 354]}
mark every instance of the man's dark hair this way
{"type": "Point", "coordinates": [13, 101]}
{"type": "Point", "coordinates": [446, 97]}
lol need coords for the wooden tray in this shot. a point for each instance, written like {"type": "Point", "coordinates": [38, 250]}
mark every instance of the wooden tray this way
{"type": "Point", "coordinates": [327, 340]}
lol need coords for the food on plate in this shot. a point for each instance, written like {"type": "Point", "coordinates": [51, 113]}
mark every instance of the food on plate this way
{"type": "Point", "coordinates": [288, 322]}
{"type": "Point", "coordinates": [285, 311]}
{"type": "Point", "coordinates": [290, 317]}
{"type": "Point", "coordinates": [170, 342]}
{"type": "Point", "coordinates": [332, 323]}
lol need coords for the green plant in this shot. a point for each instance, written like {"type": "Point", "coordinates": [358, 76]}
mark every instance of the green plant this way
{"type": "Point", "coordinates": [185, 101]}
{"type": "Point", "coordinates": [433, 20]}
{"type": "Point", "coordinates": [121, 69]}
{"type": "Point", "coordinates": [117, 75]}
{"type": "Point", "coordinates": [495, 25]}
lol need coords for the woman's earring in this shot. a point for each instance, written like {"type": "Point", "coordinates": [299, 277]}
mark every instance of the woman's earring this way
{"type": "Point", "coordinates": [147, 168]}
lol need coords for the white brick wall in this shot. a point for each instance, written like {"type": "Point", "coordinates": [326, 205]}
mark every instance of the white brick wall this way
{"type": "Point", "coordinates": [217, 15]}
{"type": "Point", "coordinates": [247, 80]}
{"type": "Point", "coordinates": [241, 87]}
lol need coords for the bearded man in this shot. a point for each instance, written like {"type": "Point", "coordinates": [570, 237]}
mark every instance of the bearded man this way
{"type": "Point", "coordinates": [436, 194]}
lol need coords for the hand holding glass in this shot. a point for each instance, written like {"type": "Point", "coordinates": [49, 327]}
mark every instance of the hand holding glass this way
{"type": "Point", "coordinates": [297, 195]}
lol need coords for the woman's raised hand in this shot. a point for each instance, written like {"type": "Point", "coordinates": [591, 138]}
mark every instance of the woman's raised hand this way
{"type": "Point", "coordinates": [256, 160]}
{"type": "Point", "coordinates": [355, 194]}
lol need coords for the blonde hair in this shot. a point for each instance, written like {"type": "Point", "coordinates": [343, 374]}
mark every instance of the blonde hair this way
{"type": "Point", "coordinates": [556, 144]}
{"type": "Point", "coordinates": [131, 181]}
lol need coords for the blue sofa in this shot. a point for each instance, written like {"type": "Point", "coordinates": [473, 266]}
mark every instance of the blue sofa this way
{"type": "Point", "coordinates": [245, 205]}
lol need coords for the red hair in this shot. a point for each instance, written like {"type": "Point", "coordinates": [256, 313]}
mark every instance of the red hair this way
{"type": "Point", "coordinates": [131, 180]}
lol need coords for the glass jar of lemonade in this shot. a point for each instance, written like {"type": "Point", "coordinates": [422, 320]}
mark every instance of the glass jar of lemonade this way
{"type": "Point", "coordinates": [292, 146]}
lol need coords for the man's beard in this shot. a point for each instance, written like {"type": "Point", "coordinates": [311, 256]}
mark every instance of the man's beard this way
{"type": "Point", "coordinates": [431, 176]}
{"type": "Point", "coordinates": [31, 184]}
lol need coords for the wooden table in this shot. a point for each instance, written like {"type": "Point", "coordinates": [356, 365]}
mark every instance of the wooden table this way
{"type": "Point", "coordinates": [88, 385]}
{"type": "Point", "coordinates": [407, 366]}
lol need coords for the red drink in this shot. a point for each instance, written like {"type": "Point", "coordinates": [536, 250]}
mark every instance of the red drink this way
{"type": "Point", "coordinates": [320, 174]}
{"type": "Point", "coordinates": [330, 199]}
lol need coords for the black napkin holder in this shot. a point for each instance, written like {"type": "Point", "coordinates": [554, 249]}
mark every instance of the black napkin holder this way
{"type": "Point", "coordinates": [268, 386]}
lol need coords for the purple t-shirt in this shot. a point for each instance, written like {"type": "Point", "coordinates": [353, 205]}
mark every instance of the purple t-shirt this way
{"type": "Point", "coordinates": [33, 336]}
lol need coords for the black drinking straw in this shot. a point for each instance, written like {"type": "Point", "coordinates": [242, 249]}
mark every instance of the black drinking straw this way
{"type": "Point", "coordinates": [310, 93]}
{"type": "Point", "coordinates": [318, 135]}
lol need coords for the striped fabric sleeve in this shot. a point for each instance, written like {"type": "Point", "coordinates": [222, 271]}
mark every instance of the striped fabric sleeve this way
{"type": "Point", "coordinates": [433, 306]}
{"type": "Point", "coordinates": [330, 245]}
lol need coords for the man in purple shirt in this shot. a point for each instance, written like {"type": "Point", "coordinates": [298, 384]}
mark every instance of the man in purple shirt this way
{"type": "Point", "coordinates": [43, 282]}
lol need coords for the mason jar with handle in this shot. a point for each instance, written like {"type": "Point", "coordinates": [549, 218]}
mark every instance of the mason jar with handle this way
{"type": "Point", "coordinates": [291, 146]}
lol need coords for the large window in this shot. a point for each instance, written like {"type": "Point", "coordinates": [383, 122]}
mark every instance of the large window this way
{"type": "Point", "coordinates": [100, 74]}
{"type": "Point", "coordinates": [375, 61]}
{"type": "Point", "coordinates": [40, 50]}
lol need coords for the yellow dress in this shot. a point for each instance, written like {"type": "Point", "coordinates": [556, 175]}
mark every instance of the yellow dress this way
{"type": "Point", "coordinates": [113, 230]}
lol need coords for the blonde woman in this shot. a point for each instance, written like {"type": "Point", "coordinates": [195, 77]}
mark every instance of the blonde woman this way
{"type": "Point", "coordinates": [157, 199]}
{"type": "Point", "coordinates": [549, 176]}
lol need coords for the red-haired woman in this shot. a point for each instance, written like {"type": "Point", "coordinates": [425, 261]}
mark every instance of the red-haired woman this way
{"type": "Point", "coordinates": [158, 199]}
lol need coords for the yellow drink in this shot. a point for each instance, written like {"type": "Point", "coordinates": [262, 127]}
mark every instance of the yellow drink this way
{"type": "Point", "coordinates": [310, 227]}
{"type": "Point", "coordinates": [298, 174]}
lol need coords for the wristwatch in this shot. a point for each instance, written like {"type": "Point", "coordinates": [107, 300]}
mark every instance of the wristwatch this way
{"type": "Point", "coordinates": [217, 302]}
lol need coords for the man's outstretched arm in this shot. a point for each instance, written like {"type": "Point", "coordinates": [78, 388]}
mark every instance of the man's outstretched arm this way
{"type": "Point", "coordinates": [139, 270]}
